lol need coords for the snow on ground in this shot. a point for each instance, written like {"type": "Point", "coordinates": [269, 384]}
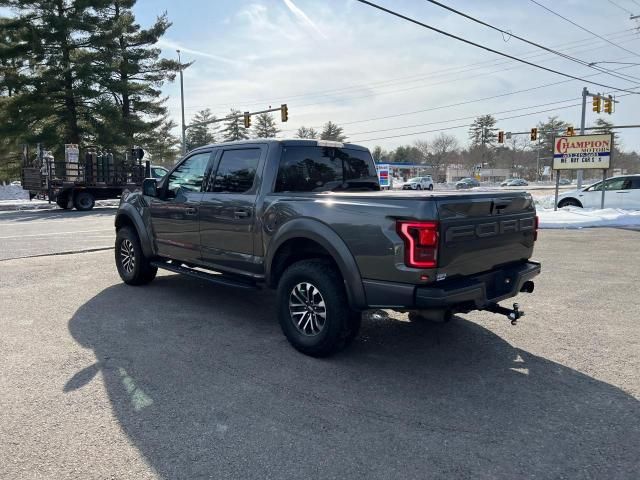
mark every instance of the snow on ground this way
{"type": "Point", "coordinates": [575, 217]}
{"type": "Point", "coordinates": [12, 192]}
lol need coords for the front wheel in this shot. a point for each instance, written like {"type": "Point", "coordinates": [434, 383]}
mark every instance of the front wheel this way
{"type": "Point", "coordinates": [313, 309]}
{"type": "Point", "coordinates": [569, 202]}
{"type": "Point", "coordinates": [133, 267]}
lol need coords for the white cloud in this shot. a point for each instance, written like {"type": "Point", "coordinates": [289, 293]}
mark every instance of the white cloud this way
{"type": "Point", "coordinates": [300, 15]}
{"type": "Point", "coordinates": [169, 44]}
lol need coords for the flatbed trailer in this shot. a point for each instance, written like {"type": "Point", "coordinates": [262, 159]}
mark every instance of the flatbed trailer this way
{"type": "Point", "coordinates": [78, 184]}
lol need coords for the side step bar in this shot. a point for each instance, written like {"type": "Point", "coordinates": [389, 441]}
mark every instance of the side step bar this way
{"type": "Point", "coordinates": [220, 279]}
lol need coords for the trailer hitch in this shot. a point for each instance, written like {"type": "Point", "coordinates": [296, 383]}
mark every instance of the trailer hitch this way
{"type": "Point", "coordinates": [512, 314]}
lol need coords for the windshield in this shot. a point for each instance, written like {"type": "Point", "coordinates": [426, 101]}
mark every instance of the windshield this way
{"type": "Point", "coordinates": [321, 169]}
{"type": "Point", "coordinates": [413, 180]}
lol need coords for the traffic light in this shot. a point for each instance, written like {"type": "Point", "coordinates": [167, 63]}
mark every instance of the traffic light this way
{"type": "Point", "coordinates": [500, 137]}
{"type": "Point", "coordinates": [247, 119]}
{"type": "Point", "coordinates": [597, 105]}
{"type": "Point", "coordinates": [534, 134]}
{"type": "Point", "coordinates": [608, 105]}
{"type": "Point", "coordinates": [570, 132]}
{"type": "Point", "coordinates": [284, 112]}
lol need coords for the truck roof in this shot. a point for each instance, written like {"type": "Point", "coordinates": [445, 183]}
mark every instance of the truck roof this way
{"type": "Point", "coordinates": [297, 142]}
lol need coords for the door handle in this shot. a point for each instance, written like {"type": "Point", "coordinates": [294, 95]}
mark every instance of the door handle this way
{"type": "Point", "coordinates": [191, 210]}
{"type": "Point", "coordinates": [241, 214]}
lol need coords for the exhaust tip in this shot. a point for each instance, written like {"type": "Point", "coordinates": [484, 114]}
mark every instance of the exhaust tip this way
{"type": "Point", "coordinates": [527, 287]}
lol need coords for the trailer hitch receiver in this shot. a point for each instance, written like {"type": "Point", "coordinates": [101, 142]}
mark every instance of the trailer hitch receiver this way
{"type": "Point", "coordinates": [513, 314]}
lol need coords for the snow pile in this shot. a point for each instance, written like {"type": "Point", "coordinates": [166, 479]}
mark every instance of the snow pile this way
{"type": "Point", "coordinates": [13, 192]}
{"type": "Point", "coordinates": [575, 217]}
{"type": "Point", "coordinates": [544, 202]}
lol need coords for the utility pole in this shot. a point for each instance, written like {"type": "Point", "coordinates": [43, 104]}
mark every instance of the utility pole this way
{"type": "Point", "coordinates": [585, 94]}
{"type": "Point", "coordinates": [184, 128]}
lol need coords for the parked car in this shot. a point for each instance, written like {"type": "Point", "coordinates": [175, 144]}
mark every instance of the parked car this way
{"type": "Point", "coordinates": [16, 183]}
{"type": "Point", "coordinates": [467, 183]}
{"type": "Point", "coordinates": [514, 182]}
{"type": "Point", "coordinates": [564, 181]}
{"type": "Point", "coordinates": [418, 183]}
{"type": "Point", "coordinates": [620, 192]}
{"type": "Point", "coordinates": [308, 218]}
{"type": "Point", "coordinates": [158, 172]}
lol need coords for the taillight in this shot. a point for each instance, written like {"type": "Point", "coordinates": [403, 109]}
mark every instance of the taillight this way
{"type": "Point", "coordinates": [535, 229]}
{"type": "Point", "coordinates": [420, 243]}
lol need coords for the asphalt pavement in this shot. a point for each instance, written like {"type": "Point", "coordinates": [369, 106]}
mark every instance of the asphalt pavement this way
{"type": "Point", "coordinates": [181, 379]}
{"type": "Point", "coordinates": [34, 233]}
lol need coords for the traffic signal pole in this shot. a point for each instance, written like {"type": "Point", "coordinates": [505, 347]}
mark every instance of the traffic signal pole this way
{"type": "Point", "coordinates": [585, 94]}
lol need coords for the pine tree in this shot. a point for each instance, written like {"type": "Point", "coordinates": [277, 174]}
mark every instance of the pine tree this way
{"type": "Point", "coordinates": [162, 144]}
{"type": "Point", "coordinates": [265, 126]}
{"type": "Point", "coordinates": [130, 71]}
{"type": "Point", "coordinates": [234, 128]}
{"type": "Point", "coordinates": [307, 132]}
{"type": "Point", "coordinates": [483, 132]}
{"type": "Point", "coordinates": [53, 94]}
{"type": "Point", "coordinates": [331, 131]}
{"type": "Point", "coordinates": [200, 135]}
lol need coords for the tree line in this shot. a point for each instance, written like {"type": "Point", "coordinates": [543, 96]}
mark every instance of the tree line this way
{"type": "Point", "coordinates": [521, 156]}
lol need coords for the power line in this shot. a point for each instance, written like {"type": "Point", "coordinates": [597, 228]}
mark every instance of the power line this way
{"type": "Point", "coordinates": [529, 42]}
{"type": "Point", "coordinates": [583, 28]}
{"type": "Point", "coordinates": [477, 45]}
{"type": "Point", "coordinates": [466, 102]}
{"type": "Point", "coordinates": [519, 109]}
{"type": "Point", "coordinates": [415, 78]}
{"type": "Point", "coordinates": [620, 7]}
{"type": "Point", "coordinates": [468, 125]}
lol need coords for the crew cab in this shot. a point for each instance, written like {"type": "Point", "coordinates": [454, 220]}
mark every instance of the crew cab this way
{"type": "Point", "coordinates": [307, 218]}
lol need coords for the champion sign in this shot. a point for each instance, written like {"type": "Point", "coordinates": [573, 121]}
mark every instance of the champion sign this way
{"type": "Point", "coordinates": [582, 152]}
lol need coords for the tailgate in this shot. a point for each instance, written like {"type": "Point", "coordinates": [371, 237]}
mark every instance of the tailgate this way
{"type": "Point", "coordinates": [479, 233]}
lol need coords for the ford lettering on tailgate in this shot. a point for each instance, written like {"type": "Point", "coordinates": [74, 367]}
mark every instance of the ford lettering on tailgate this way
{"type": "Point", "coordinates": [489, 229]}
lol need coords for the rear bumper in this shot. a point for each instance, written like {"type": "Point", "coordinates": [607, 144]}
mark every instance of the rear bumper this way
{"type": "Point", "coordinates": [468, 293]}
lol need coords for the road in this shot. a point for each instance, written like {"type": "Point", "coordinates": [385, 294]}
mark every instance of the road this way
{"type": "Point", "coordinates": [185, 380]}
{"type": "Point", "coordinates": [27, 234]}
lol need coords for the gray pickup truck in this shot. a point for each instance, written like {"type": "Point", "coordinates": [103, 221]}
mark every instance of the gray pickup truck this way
{"type": "Point", "coordinates": [308, 218]}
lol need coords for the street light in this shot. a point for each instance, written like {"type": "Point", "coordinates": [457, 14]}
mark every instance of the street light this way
{"type": "Point", "coordinates": [184, 128]}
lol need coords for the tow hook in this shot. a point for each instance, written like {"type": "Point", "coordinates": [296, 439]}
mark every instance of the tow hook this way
{"type": "Point", "coordinates": [512, 314]}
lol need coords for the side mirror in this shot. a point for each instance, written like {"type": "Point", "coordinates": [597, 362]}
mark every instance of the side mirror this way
{"type": "Point", "coordinates": [150, 187]}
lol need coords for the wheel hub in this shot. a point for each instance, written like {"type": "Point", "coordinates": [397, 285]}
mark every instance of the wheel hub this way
{"type": "Point", "coordinates": [127, 256]}
{"type": "Point", "coordinates": [307, 309]}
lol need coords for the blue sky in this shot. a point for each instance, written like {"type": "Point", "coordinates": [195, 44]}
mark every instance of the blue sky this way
{"type": "Point", "coordinates": [343, 61]}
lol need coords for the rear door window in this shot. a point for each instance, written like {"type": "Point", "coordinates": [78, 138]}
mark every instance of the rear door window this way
{"type": "Point", "coordinates": [237, 171]}
{"type": "Point", "coordinates": [321, 169]}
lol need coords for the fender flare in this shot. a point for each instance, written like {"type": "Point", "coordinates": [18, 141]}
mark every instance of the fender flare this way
{"type": "Point", "coordinates": [128, 211]}
{"type": "Point", "coordinates": [326, 237]}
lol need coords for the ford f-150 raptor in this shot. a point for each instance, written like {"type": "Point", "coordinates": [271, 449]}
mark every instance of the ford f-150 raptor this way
{"type": "Point", "coordinates": [308, 218]}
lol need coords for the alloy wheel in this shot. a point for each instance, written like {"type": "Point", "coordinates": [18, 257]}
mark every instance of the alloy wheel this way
{"type": "Point", "coordinates": [307, 309]}
{"type": "Point", "coordinates": [127, 256]}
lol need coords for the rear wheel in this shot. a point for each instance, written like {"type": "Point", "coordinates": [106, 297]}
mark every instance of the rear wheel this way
{"type": "Point", "coordinates": [133, 267]}
{"type": "Point", "coordinates": [62, 201]}
{"type": "Point", "coordinates": [431, 187]}
{"type": "Point", "coordinates": [569, 202]}
{"type": "Point", "coordinates": [313, 309]}
{"type": "Point", "coordinates": [84, 201]}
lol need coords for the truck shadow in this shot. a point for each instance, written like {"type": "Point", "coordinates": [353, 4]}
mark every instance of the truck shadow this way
{"type": "Point", "coordinates": [205, 385]}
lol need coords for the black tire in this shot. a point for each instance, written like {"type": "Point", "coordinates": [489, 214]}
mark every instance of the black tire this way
{"type": "Point", "coordinates": [63, 201]}
{"type": "Point", "coordinates": [84, 201]}
{"type": "Point", "coordinates": [138, 270]}
{"type": "Point", "coordinates": [569, 202]}
{"type": "Point", "coordinates": [419, 187]}
{"type": "Point", "coordinates": [316, 337]}
{"type": "Point", "coordinates": [430, 187]}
